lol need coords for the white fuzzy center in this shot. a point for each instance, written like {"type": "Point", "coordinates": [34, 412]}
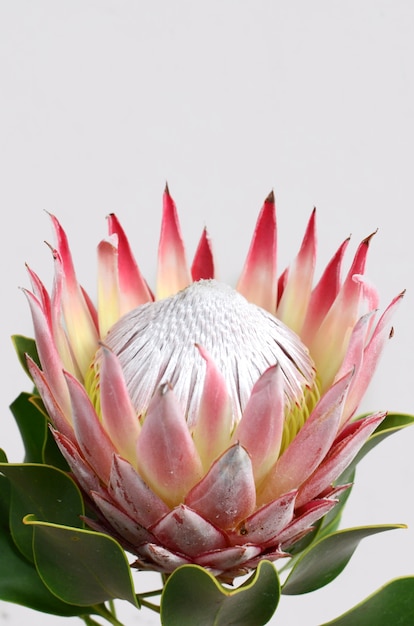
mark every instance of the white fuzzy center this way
{"type": "Point", "coordinates": [156, 343]}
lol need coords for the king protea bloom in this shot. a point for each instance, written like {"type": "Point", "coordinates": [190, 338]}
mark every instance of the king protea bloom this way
{"type": "Point", "coordinates": [207, 424]}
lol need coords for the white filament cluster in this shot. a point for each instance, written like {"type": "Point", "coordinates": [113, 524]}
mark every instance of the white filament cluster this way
{"type": "Point", "coordinates": [156, 343]}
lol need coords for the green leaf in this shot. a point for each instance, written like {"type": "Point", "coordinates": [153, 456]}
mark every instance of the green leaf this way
{"type": "Point", "coordinates": [326, 558]}
{"type": "Point", "coordinates": [19, 580]}
{"type": "Point", "coordinates": [44, 491]}
{"type": "Point", "coordinates": [194, 596]}
{"type": "Point", "coordinates": [391, 604]}
{"type": "Point", "coordinates": [38, 441]}
{"type": "Point", "coordinates": [32, 425]}
{"type": "Point", "coordinates": [80, 566]}
{"type": "Point", "coordinates": [25, 345]}
{"type": "Point", "coordinates": [20, 583]}
{"type": "Point", "coordinates": [391, 424]}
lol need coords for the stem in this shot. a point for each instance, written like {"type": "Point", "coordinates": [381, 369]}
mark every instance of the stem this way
{"type": "Point", "coordinates": [89, 621]}
{"type": "Point", "coordinates": [112, 607]}
{"type": "Point", "coordinates": [149, 605]}
{"type": "Point", "coordinates": [101, 610]}
{"type": "Point", "coordinates": [150, 594]}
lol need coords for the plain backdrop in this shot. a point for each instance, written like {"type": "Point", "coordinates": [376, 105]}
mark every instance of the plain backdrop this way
{"type": "Point", "coordinates": [102, 101]}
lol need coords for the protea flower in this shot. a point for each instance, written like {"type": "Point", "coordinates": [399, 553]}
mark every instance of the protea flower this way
{"type": "Point", "coordinates": [207, 424]}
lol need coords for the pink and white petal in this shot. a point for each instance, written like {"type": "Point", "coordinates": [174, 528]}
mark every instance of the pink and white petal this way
{"type": "Point", "coordinates": [109, 310]}
{"type": "Point", "coordinates": [340, 456]}
{"type": "Point", "coordinates": [62, 421]}
{"type": "Point", "coordinates": [126, 527]}
{"type": "Point", "coordinates": [281, 284]}
{"type": "Point", "coordinates": [355, 350]}
{"type": "Point", "coordinates": [267, 522]}
{"type": "Point", "coordinates": [41, 294]}
{"type": "Point", "coordinates": [83, 472]}
{"type": "Point", "coordinates": [167, 458]}
{"type": "Point", "coordinates": [270, 555]}
{"type": "Point", "coordinates": [358, 264]}
{"type": "Point", "coordinates": [369, 292]}
{"type": "Point", "coordinates": [93, 441]}
{"type": "Point", "coordinates": [354, 360]}
{"type": "Point", "coordinates": [164, 560]}
{"type": "Point", "coordinates": [64, 252]}
{"type": "Point", "coordinates": [264, 413]}
{"type": "Point", "coordinates": [173, 274]}
{"type": "Point", "coordinates": [60, 336]}
{"type": "Point", "coordinates": [324, 294]}
{"type": "Point", "coordinates": [81, 329]}
{"type": "Point", "coordinates": [127, 488]}
{"type": "Point", "coordinates": [186, 532]}
{"type": "Point", "coordinates": [258, 281]}
{"type": "Point", "coordinates": [329, 344]}
{"type": "Point", "coordinates": [294, 302]}
{"type": "Point", "coordinates": [382, 332]}
{"type": "Point", "coordinates": [371, 356]}
{"type": "Point", "coordinates": [133, 289]}
{"type": "Point", "coordinates": [103, 526]}
{"type": "Point", "coordinates": [227, 558]}
{"type": "Point", "coordinates": [202, 267]}
{"type": "Point", "coordinates": [309, 514]}
{"type": "Point", "coordinates": [332, 492]}
{"type": "Point", "coordinates": [214, 424]}
{"type": "Point", "coordinates": [118, 414]}
{"type": "Point", "coordinates": [48, 354]}
{"type": "Point", "coordinates": [73, 312]}
{"type": "Point", "coordinates": [310, 445]}
{"type": "Point", "coordinates": [227, 494]}
{"type": "Point", "coordinates": [51, 309]}
{"type": "Point", "coordinates": [90, 306]}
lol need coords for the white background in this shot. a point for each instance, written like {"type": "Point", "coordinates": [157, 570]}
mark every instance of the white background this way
{"type": "Point", "coordinates": [102, 101]}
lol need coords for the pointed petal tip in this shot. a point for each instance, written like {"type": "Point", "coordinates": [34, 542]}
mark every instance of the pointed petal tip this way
{"type": "Point", "coordinates": [203, 352]}
{"type": "Point", "coordinates": [367, 240]}
{"type": "Point", "coordinates": [270, 198]}
{"type": "Point", "coordinates": [52, 249]}
{"type": "Point", "coordinates": [203, 262]}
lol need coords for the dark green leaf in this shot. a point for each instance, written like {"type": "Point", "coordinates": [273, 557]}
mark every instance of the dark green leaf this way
{"type": "Point", "coordinates": [44, 491]}
{"type": "Point", "coordinates": [39, 443]}
{"type": "Point", "coordinates": [194, 596]}
{"type": "Point", "coordinates": [19, 580]}
{"type": "Point", "coordinates": [4, 504]}
{"type": "Point", "coordinates": [21, 584]}
{"type": "Point", "coordinates": [23, 346]}
{"type": "Point", "coordinates": [391, 604]}
{"type": "Point", "coordinates": [326, 558]}
{"type": "Point", "coordinates": [80, 566]}
{"type": "Point", "coordinates": [32, 425]}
